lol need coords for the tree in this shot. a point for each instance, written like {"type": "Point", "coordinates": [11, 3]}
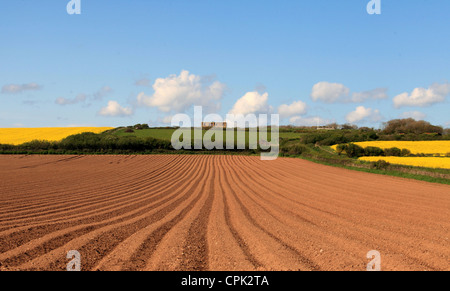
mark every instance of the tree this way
{"type": "Point", "coordinates": [405, 153]}
{"type": "Point", "coordinates": [141, 126]}
{"type": "Point", "coordinates": [393, 152]}
{"type": "Point", "coordinates": [354, 151]}
{"type": "Point", "coordinates": [341, 148]}
{"type": "Point", "coordinates": [333, 125]}
{"type": "Point", "coordinates": [349, 126]}
{"type": "Point", "coordinates": [373, 151]}
{"type": "Point", "coordinates": [409, 125]}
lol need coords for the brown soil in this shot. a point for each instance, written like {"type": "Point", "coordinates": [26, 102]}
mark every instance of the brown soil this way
{"type": "Point", "coordinates": [215, 213]}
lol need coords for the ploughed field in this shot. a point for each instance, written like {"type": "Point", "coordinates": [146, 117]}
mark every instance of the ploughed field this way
{"type": "Point", "coordinates": [177, 212]}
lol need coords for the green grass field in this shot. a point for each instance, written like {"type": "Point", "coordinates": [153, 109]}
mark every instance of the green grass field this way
{"type": "Point", "coordinates": [158, 133]}
{"type": "Point", "coordinates": [166, 133]}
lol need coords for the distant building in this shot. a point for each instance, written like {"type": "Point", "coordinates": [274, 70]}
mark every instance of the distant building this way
{"type": "Point", "coordinates": [325, 128]}
{"type": "Point", "coordinates": [214, 125]}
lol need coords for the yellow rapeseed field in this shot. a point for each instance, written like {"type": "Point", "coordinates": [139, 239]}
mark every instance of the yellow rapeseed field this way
{"type": "Point", "coordinates": [427, 162]}
{"type": "Point", "coordinates": [441, 147]}
{"type": "Point", "coordinates": [16, 136]}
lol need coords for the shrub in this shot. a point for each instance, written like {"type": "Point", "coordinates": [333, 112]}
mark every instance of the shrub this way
{"type": "Point", "coordinates": [129, 130]}
{"type": "Point", "coordinates": [38, 145]}
{"type": "Point", "coordinates": [380, 165]}
{"type": "Point", "coordinates": [83, 141]}
{"type": "Point", "coordinates": [393, 152]}
{"type": "Point", "coordinates": [141, 126]}
{"type": "Point", "coordinates": [341, 148]}
{"type": "Point", "coordinates": [373, 152]}
{"type": "Point", "coordinates": [297, 149]}
{"type": "Point", "coordinates": [405, 153]}
{"type": "Point", "coordinates": [294, 149]}
{"type": "Point", "coordinates": [354, 151]}
{"type": "Point", "coordinates": [152, 143]}
{"type": "Point", "coordinates": [6, 147]}
{"type": "Point", "coordinates": [109, 142]}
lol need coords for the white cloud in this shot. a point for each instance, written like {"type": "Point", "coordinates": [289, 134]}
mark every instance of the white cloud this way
{"type": "Point", "coordinates": [143, 82]}
{"type": "Point", "coordinates": [309, 121]}
{"type": "Point", "coordinates": [414, 114]}
{"type": "Point", "coordinates": [179, 93]}
{"type": "Point", "coordinates": [362, 114]}
{"type": "Point", "coordinates": [296, 108]}
{"type": "Point", "coordinates": [114, 109]}
{"type": "Point", "coordinates": [329, 92]}
{"type": "Point", "coordinates": [251, 103]}
{"type": "Point", "coordinates": [335, 92]}
{"type": "Point", "coordinates": [421, 97]}
{"type": "Point", "coordinates": [375, 94]}
{"type": "Point", "coordinates": [14, 88]}
{"type": "Point", "coordinates": [104, 91]}
{"type": "Point", "coordinates": [64, 101]}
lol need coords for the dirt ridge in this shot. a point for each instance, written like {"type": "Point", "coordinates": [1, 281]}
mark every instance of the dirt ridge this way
{"type": "Point", "coordinates": [215, 213]}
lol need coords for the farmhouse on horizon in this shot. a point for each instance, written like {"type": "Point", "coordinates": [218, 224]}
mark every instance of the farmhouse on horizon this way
{"type": "Point", "coordinates": [214, 125]}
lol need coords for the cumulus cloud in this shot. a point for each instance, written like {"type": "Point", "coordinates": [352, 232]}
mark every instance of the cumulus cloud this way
{"type": "Point", "coordinates": [309, 121]}
{"type": "Point", "coordinates": [78, 99]}
{"type": "Point", "coordinates": [296, 108]}
{"type": "Point", "coordinates": [362, 114]}
{"type": "Point", "coordinates": [417, 115]}
{"type": "Point", "coordinates": [15, 88]}
{"type": "Point", "coordinates": [114, 109]}
{"type": "Point", "coordinates": [422, 97]}
{"type": "Point", "coordinates": [179, 93]}
{"type": "Point", "coordinates": [251, 103]}
{"type": "Point", "coordinates": [335, 92]}
{"type": "Point", "coordinates": [375, 94]}
{"type": "Point", "coordinates": [103, 92]}
{"type": "Point", "coordinates": [329, 92]}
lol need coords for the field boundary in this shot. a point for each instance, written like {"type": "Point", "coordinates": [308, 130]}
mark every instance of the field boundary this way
{"type": "Point", "coordinates": [401, 172]}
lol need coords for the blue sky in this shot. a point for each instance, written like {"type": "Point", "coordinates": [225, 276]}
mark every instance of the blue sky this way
{"type": "Point", "coordinates": [142, 61]}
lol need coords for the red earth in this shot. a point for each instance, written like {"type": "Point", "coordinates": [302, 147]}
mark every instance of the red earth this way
{"type": "Point", "coordinates": [174, 212]}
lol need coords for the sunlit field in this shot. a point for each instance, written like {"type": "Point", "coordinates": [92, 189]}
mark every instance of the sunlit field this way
{"type": "Point", "coordinates": [427, 162]}
{"type": "Point", "coordinates": [16, 136]}
{"type": "Point", "coordinates": [441, 147]}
